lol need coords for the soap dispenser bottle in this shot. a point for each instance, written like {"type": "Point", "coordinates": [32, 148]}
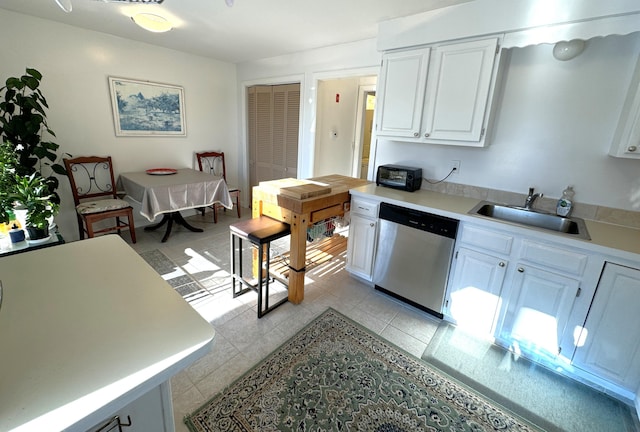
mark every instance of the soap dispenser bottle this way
{"type": "Point", "coordinates": [565, 203]}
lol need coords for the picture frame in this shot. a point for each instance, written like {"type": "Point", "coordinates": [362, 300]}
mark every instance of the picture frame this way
{"type": "Point", "coordinates": [145, 108]}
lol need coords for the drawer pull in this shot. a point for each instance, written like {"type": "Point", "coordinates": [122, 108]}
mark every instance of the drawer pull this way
{"type": "Point", "coordinates": [501, 264]}
{"type": "Point", "coordinates": [521, 270]}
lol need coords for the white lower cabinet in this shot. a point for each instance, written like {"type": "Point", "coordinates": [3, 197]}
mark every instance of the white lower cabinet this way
{"type": "Point", "coordinates": [537, 298]}
{"type": "Point", "coordinates": [474, 292]}
{"type": "Point", "coordinates": [363, 229]}
{"type": "Point", "coordinates": [153, 411]}
{"type": "Point", "coordinates": [537, 310]}
{"type": "Point", "coordinates": [609, 345]}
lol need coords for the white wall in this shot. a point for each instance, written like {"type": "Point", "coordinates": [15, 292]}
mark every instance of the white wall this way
{"type": "Point", "coordinates": [553, 128]}
{"type": "Point", "coordinates": [340, 61]}
{"type": "Point", "coordinates": [335, 131]}
{"type": "Point", "coordinates": [75, 64]}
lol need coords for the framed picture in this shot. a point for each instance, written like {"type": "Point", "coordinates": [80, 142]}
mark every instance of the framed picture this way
{"type": "Point", "coordinates": [143, 108]}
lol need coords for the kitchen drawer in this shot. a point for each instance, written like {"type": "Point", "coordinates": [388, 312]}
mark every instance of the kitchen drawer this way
{"type": "Point", "coordinates": [486, 240]}
{"type": "Point", "coordinates": [365, 208]}
{"type": "Point", "coordinates": [551, 256]}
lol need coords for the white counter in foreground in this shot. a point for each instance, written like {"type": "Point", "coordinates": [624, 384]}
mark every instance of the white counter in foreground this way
{"type": "Point", "coordinates": [85, 329]}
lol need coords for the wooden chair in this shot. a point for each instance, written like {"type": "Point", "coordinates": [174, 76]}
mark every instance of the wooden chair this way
{"type": "Point", "coordinates": [213, 163]}
{"type": "Point", "coordinates": [95, 196]}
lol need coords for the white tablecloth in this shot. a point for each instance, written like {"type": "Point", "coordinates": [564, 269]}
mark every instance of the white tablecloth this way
{"type": "Point", "coordinates": [184, 190]}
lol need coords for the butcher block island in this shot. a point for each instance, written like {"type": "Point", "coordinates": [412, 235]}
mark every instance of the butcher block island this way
{"type": "Point", "coordinates": [88, 330]}
{"type": "Point", "coordinates": [302, 203]}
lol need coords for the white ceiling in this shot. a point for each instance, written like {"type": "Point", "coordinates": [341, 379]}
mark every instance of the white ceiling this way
{"type": "Point", "coordinates": [250, 30]}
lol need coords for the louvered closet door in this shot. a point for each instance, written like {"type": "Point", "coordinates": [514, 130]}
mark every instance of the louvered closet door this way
{"type": "Point", "coordinates": [273, 121]}
{"type": "Point", "coordinates": [286, 110]}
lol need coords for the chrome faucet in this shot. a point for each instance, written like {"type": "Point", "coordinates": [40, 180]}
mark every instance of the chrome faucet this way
{"type": "Point", "coordinates": [531, 198]}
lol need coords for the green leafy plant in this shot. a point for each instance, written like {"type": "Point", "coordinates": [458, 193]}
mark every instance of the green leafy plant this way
{"type": "Point", "coordinates": [8, 162]}
{"type": "Point", "coordinates": [23, 121]}
{"type": "Point", "coordinates": [32, 192]}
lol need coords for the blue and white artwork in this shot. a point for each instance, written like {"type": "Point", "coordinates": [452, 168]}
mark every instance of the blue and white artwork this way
{"type": "Point", "coordinates": [142, 108]}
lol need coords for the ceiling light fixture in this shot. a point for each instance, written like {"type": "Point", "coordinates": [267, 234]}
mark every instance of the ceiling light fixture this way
{"type": "Point", "coordinates": [566, 50]}
{"type": "Point", "coordinates": [65, 5]}
{"type": "Point", "coordinates": [151, 22]}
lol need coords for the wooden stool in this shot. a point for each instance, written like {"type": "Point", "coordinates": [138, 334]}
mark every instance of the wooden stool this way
{"type": "Point", "coordinates": [260, 232]}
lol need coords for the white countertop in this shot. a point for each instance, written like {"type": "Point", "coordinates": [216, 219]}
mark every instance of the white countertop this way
{"type": "Point", "coordinates": [85, 328]}
{"type": "Point", "coordinates": [605, 238]}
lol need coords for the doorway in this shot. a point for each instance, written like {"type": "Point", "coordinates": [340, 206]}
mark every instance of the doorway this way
{"type": "Point", "coordinates": [343, 125]}
{"type": "Point", "coordinates": [364, 131]}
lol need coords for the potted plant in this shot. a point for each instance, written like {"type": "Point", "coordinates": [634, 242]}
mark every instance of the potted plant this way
{"type": "Point", "coordinates": [32, 193]}
{"type": "Point", "coordinates": [8, 161]}
{"type": "Point", "coordinates": [23, 121]}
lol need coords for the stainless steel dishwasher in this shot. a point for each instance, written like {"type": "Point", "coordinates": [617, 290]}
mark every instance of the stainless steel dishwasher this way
{"type": "Point", "coordinates": [414, 254]}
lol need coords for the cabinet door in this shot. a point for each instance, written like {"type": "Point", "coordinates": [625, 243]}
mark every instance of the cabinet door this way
{"type": "Point", "coordinates": [473, 296]}
{"type": "Point", "coordinates": [361, 246]}
{"type": "Point", "coordinates": [539, 306]}
{"type": "Point", "coordinates": [153, 411]}
{"type": "Point", "coordinates": [403, 78]}
{"type": "Point", "coordinates": [626, 140]}
{"type": "Point", "coordinates": [458, 90]}
{"type": "Point", "coordinates": [610, 342]}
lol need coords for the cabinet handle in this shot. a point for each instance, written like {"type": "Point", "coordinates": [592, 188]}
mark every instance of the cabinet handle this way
{"type": "Point", "coordinates": [372, 224]}
{"type": "Point", "coordinates": [416, 134]}
{"type": "Point", "coordinates": [501, 264]}
{"type": "Point", "coordinates": [520, 269]}
{"type": "Point", "coordinates": [632, 148]}
{"type": "Point", "coordinates": [426, 134]}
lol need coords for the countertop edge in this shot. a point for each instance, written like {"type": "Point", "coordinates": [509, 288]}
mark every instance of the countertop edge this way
{"type": "Point", "coordinates": [605, 238]}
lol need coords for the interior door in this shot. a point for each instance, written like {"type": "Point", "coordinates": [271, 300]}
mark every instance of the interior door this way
{"type": "Point", "coordinates": [273, 123]}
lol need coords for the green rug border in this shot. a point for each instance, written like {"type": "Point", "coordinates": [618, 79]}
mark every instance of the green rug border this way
{"type": "Point", "coordinates": [189, 424]}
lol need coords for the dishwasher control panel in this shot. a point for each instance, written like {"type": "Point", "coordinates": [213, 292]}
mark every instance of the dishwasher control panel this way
{"type": "Point", "coordinates": [417, 219]}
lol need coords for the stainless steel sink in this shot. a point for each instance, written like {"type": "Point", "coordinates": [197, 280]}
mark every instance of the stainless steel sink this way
{"type": "Point", "coordinates": [532, 218]}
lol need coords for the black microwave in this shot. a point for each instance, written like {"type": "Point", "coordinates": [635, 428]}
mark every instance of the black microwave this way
{"type": "Point", "coordinates": [399, 177]}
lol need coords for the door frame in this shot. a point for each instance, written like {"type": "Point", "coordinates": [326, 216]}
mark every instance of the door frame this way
{"type": "Point", "coordinates": [372, 71]}
{"type": "Point", "coordinates": [363, 91]}
{"type": "Point", "coordinates": [244, 164]}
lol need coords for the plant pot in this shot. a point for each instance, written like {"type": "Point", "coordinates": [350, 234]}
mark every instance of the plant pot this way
{"type": "Point", "coordinates": [37, 233]}
{"type": "Point", "coordinates": [21, 216]}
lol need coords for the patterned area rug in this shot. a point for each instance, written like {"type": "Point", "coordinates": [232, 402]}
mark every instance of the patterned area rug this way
{"type": "Point", "coordinates": [337, 376]}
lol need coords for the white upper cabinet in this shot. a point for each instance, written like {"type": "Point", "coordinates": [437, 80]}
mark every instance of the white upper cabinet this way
{"type": "Point", "coordinates": [439, 95]}
{"type": "Point", "coordinates": [404, 74]}
{"type": "Point", "coordinates": [626, 140]}
{"type": "Point", "coordinates": [458, 90]}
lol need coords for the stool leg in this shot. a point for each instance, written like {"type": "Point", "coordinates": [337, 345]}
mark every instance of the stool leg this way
{"type": "Point", "coordinates": [233, 264]}
{"type": "Point", "coordinates": [236, 267]}
{"type": "Point", "coordinates": [268, 255]}
{"type": "Point", "coordinates": [260, 279]}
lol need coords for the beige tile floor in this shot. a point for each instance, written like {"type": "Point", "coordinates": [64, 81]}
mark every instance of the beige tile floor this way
{"type": "Point", "coordinates": [242, 340]}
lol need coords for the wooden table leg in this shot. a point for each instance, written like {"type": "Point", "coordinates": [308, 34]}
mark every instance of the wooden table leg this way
{"type": "Point", "coordinates": [297, 256]}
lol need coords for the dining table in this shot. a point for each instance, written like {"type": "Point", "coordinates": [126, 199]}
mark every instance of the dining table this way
{"type": "Point", "coordinates": [302, 203]}
{"type": "Point", "coordinates": [168, 191]}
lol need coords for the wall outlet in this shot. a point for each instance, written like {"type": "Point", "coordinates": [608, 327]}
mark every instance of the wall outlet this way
{"type": "Point", "coordinates": [455, 166]}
